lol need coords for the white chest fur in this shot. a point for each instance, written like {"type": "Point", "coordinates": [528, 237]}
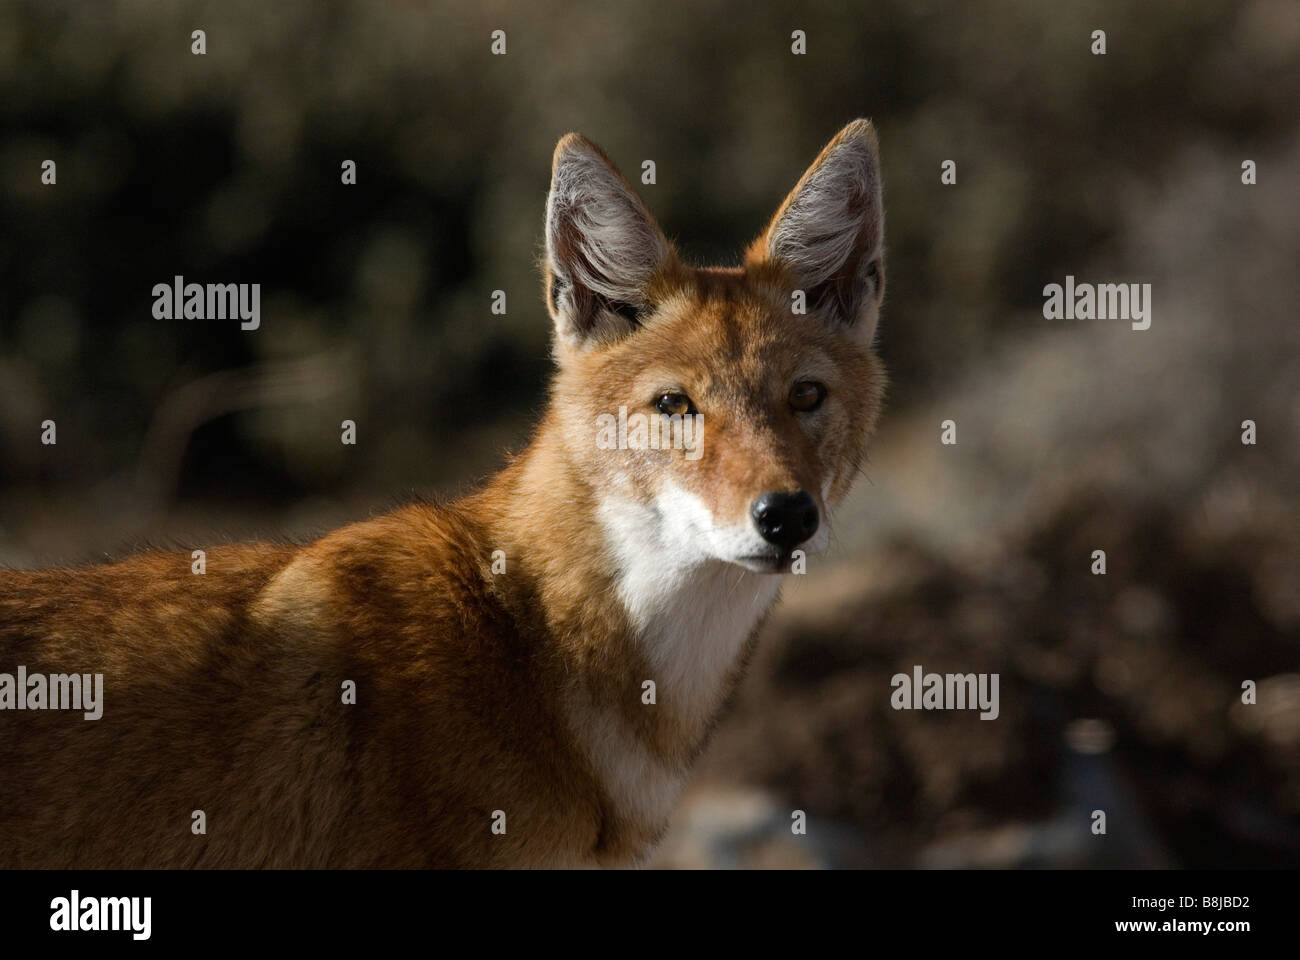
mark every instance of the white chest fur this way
{"type": "Point", "coordinates": [692, 615]}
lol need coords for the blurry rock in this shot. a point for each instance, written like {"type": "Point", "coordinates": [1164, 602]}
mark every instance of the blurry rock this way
{"type": "Point", "coordinates": [729, 827]}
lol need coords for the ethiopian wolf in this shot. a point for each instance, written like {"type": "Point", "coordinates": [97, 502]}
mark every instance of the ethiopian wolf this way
{"type": "Point", "coordinates": [465, 684]}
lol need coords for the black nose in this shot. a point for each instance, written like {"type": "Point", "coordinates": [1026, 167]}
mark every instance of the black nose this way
{"type": "Point", "coordinates": [786, 519]}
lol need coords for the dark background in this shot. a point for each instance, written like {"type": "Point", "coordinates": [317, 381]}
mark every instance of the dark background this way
{"type": "Point", "coordinates": [1119, 692]}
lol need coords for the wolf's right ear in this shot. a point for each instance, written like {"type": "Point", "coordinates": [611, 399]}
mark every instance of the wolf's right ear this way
{"type": "Point", "coordinates": [602, 247]}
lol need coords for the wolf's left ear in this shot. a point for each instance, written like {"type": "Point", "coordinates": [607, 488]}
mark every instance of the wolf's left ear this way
{"type": "Point", "coordinates": [830, 232]}
{"type": "Point", "coordinates": [602, 247]}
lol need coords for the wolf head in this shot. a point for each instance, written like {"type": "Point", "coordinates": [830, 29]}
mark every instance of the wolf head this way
{"type": "Point", "coordinates": [718, 411]}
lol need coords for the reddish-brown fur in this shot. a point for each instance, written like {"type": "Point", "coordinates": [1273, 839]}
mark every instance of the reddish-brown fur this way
{"type": "Point", "coordinates": [222, 691]}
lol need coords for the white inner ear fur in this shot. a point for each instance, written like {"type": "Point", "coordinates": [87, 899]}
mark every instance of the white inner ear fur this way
{"type": "Point", "coordinates": [611, 246]}
{"type": "Point", "coordinates": [827, 219]}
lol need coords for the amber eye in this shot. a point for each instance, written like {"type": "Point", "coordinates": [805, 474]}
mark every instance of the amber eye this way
{"type": "Point", "coordinates": [807, 395]}
{"type": "Point", "coordinates": [674, 404]}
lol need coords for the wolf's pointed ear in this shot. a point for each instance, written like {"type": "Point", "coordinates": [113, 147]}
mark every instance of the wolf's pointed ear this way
{"type": "Point", "coordinates": [602, 247]}
{"type": "Point", "coordinates": [830, 232]}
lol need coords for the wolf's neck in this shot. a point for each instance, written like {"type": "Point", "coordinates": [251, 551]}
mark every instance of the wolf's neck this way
{"type": "Point", "coordinates": [623, 605]}
{"type": "Point", "coordinates": [691, 617]}
{"type": "Point", "coordinates": [606, 570]}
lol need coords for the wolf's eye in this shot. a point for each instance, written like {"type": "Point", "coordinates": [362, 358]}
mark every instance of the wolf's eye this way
{"type": "Point", "coordinates": [807, 395]}
{"type": "Point", "coordinates": [674, 404]}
